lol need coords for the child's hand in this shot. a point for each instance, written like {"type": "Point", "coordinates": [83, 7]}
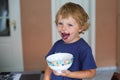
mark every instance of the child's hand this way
{"type": "Point", "coordinates": [63, 73]}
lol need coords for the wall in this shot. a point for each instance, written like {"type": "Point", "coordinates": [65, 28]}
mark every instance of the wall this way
{"type": "Point", "coordinates": [118, 32]}
{"type": "Point", "coordinates": [36, 29]}
{"type": "Point", "coordinates": [37, 35]}
{"type": "Point", "coordinates": [106, 33]}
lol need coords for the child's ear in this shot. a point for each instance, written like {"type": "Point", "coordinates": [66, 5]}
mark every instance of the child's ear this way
{"type": "Point", "coordinates": [80, 29]}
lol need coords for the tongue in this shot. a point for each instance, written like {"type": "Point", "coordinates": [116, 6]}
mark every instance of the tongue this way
{"type": "Point", "coordinates": [65, 35]}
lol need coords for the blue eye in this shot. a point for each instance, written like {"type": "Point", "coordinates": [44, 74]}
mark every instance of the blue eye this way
{"type": "Point", "coordinates": [60, 23]}
{"type": "Point", "coordinates": [70, 25]}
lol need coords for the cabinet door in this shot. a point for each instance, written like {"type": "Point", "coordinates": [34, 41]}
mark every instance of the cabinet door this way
{"type": "Point", "coordinates": [10, 36]}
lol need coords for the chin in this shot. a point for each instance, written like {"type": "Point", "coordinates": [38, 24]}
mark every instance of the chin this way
{"type": "Point", "coordinates": [67, 41]}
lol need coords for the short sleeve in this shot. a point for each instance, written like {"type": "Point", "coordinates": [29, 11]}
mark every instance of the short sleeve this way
{"type": "Point", "coordinates": [88, 61]}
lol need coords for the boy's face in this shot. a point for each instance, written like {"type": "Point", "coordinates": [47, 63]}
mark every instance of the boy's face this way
{"type": "Point", "coordinates": [68, 29]}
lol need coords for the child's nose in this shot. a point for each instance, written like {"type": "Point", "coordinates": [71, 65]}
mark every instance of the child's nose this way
{"type": "Point", "coordinates": [64, 28]}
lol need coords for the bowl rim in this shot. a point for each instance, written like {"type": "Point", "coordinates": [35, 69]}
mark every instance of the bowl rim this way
{"type": "Point", "coordinates": [47, 58]}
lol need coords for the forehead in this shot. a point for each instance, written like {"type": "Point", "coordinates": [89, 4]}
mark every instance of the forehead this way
{"type": "Point", "coordinates": [68, 19]}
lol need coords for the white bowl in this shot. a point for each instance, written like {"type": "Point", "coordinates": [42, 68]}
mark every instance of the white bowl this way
{"type": "Point", "coordinates": [60, 61]}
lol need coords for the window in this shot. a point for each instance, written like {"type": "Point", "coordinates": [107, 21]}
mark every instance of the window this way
{"type": "Point", "coordinates": [4, 18]}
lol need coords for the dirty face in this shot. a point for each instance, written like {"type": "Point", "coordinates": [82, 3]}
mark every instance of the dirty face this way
{"type": "Point", "coordinates": [68, 29]}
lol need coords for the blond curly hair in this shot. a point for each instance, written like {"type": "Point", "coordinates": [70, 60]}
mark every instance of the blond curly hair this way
{"type": "Point", "coordinates": [77, 12]}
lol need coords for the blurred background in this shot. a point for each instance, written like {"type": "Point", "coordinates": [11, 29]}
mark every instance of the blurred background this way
{"type": "Point", "coordinates": [24, 45]}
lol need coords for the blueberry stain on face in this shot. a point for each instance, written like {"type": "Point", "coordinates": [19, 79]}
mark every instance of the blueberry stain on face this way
{"type": "Point", "coordinates": [65, 35]}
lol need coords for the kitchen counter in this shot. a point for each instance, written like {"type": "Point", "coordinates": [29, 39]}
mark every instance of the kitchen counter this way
{"type": "Point", "coordinates": [21, 75]}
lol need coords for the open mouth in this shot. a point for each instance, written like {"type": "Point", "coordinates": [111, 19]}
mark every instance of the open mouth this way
{"type": "Point", "coordinates": [65, 35]}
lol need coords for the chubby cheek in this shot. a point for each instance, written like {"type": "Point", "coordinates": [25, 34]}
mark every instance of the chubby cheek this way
{"type": "Point", "coordinates": [59, 29]}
